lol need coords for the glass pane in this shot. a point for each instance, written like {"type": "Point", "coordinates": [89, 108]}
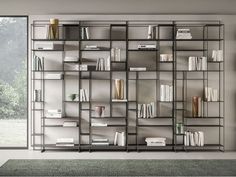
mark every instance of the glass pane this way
{"type": "Point", "coordinates": [13, 81]}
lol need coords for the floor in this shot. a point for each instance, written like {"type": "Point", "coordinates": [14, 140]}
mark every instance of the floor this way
{"type": "Point", "coordinates": [30, 154]}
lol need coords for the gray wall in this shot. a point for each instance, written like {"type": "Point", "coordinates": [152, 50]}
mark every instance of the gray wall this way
{"type": "Point", "coordinates": [117, 6]}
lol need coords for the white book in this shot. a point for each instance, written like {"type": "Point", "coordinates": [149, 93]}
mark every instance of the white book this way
{"type": "Point", "coordinates": [65, 140]}
{"type": "Point", "coordinates": [44, 46]}
{"type": "Point", "coordinates": [204, 63]}
{"type": "Point", "coordinates": [219, 56]}
{"type": "Point", "coordinates": [201, 138]}
{"type": "Point", "coordinates": [113, 54]}
{"type": "Point", "coordinates": [65, 145]}
{"type": "Point", "coordinates": [153, 109]}
{"type": "Point", "coordinates": [144, 110]}
{"type": "Point", "coordinates": [192, 142]}
{"type": "Point", "coordinates": [198, 63]}
{"type": "Point", "coordinates": [191, 63]}
{"type": "Point", "coordinates": [187, 137]}
{"type": "Point", "coordinates": [70, 124]}
{"type": "Point", "coordinates": [150, 31]}
{"type": "Point", "coordinates": [107, 64]}
{"type": "Point", "coordinates": [215, 94]}
{"type": "Point", "coordinates": [196, 139]}
{"type": "Point", "coordinates": [100, 139]}
{"type": "Point", "coordinates": [139, 110]}
{"type": "Point", "coordinates": [87, 33]}
{"type": "Point", "coordinates": [115, 138]}
{"type": "Point", "coordinates": [147, 46]}
{"type": "Point", "coordinates": [53, 76]}
{"type": "Point", "coordinates": [162, 93]}
{"type": "Point", "coordinates": [155, 140]}
{"type": "Point", "coordinates": [121, 139]}
{"type": "Point", "coordinates": [98, 124]}
{"type": "Point", "coordinates": [167, 93]}
{"type": "Point", "coordinates": [171, 93]}
{"type": "Point", "coordinates": [156, 144]}
{"type": "Point", "coordinates": [100, 143]}
{"type": "Point", "coordinates": [71, 58]}
{"type": "Point", "coordinates": [138, 68]}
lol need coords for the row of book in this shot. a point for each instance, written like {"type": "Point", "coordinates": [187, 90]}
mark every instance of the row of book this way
{"type": "Point", "coordinates": [119, 139]}
{"type": "Point", "coordinates": [146, 110]}
{"type": "Point", "coordinates": [194, 138]}
{"type": "Point", "coordinates": [211, 94]}
{"type": "Point", "coordinates": [83, 95]}
{"type": "Point", "coordinates": [37, 95]}
{"type": "Point", "coordinates": [115, 54]}
{"type": "Point", "coordinates": [155, 141]}
{"type": "Point", "coordinates": [166, 93]}
{"type": "Point", "coordinates": [166, 57]}
{"type": "Point", "coordinates": [103, 64]}
{"type": "Point", "coordinates": [85, 33]}
{"type": "Point", "coordinates": [37, 64]}
{"type": "Point", "coordinates": [217, 55]}
{"type": "Point", "coordinates": [197, 63]}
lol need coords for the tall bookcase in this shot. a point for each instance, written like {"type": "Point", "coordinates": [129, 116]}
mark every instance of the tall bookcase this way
{"type": "Point", "coordinates": [140, 86]}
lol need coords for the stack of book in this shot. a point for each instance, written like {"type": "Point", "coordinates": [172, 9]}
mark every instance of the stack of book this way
{"type": "Point", "coordinates": [146, 110]}
{"type": "Point", "coordinates": [98, 124]}
{"type": "Point", "coordinates": [119, 139]}
{"type": "Point", "coordinates": [151, 32]}
{"type": "Point", "coordinates": [65, 142]}
{"type": "Point", "coordinates": [100, 142]}
{"type": "Point", "coordinates": [91, 47]}
{"type": "Point", "coordinates": [138, 68]}
{"type": "Point", "coordinates": [54, 113]}
{"type": "Point", "coordinates": [183, 34]}
{"type": "Point", "coordinates": [211, 94]}
{"type": "Point", "coordinates": [69, 124]}
{"type": "Point", "coordinates": [166, 93]}
{"type": "Point", "coordinates": [156, 141]}
{"type": "Point", "coordinates": [197, 63]}
{"type": "Point", "coordinates": [147, 46]}
{"type": "Point", "coordinates": [54, 76]}
{"type": "Point", "coordinates": [48, 46]}
{"type": "Point", "coordinates": [217, 55]}
{"type": "Point", "coordinates": [71, 59]}
{"type": "Point", "coordinates": [85, 33]}
{"type": "Point", "coordinates": [103, 65]}
{"type": "Point", "coordinates": [83, 95]}
{"type": "Point", "coordinates": [194, 138]}
{"type": "Point", "coordinates": [38, 66]}
{"type": "Point", "coordinates": [37, 95]}
{"type": "Point", "coordinates": [197, 106]}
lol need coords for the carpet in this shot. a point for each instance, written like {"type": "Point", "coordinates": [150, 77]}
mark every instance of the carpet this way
{"type": "Point", "coordinates": [119, 168]}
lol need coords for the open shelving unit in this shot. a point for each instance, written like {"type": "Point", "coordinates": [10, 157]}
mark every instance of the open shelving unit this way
{"type": "Point", "coordinates": [140, 86]}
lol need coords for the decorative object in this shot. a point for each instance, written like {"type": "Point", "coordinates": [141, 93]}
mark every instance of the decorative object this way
{"type": "Point", "coordinates": [99, 110]}
{"type": "Point", "coordinates": [72, 96]}
{"type": "Point", "coordinates": [196, 106]}
{"type": "Point", "coordinates": [53, 31]}
{"type": "Point", "coordinates": [179, 128]}
{"type": "Point", "coordinates": [119, 89]}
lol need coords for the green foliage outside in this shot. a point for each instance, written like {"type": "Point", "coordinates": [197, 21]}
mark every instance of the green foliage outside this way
{"type": "Point", "coordinates": [13, 68]}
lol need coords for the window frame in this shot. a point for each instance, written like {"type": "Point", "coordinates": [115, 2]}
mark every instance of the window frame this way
{"type": "Point", "coordinates": [27, 87]}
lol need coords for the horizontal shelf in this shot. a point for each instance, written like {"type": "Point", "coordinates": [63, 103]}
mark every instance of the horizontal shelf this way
{"type": "Point", "coordinates": [216, 39]}
{"type": "Point", "coordinates": [154, 125]}
{"type": "Point", "coordinates": [37, 134]}
{"type": "Point", "coordinates": [60, 117]}
{"type": "Point", "coordinates": [100, 50]}
{"type": "Point", "coordinates": [142, 50]}
{"type": "Point", "coordinates": [197, 125]}
{"type": "Point", "coordinates": [209, 117]}
{"type": "Point", "coordinates": [61, 126]}
{"type": "Point", "coordinates": [55, 40]}
{"type": "Point", "coordinates": [190, 50]}
{"type": "Point", "coordinates": [157, 117]}
{"type": "Point", "coordinates": [37, 50]}
{"type": "Point", "coordinates": [107, 117]}
{"type": "Point", "coordinates": [114, 125]}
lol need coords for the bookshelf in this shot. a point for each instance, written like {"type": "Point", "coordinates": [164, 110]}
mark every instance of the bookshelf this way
{"type": "Point", "coordinates": [140, 87]}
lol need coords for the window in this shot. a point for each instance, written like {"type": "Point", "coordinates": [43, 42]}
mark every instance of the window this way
{"type": "Point", "coordinates": [13, 82]}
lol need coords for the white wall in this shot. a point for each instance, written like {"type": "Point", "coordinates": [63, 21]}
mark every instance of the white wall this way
{"type": "Point", "coordinates": [230, 62]}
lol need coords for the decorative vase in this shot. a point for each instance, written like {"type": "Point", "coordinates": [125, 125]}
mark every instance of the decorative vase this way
{"type": "Point", "coordinates": [99, 110]}
{"type": "Point", "coordinates": [119, 89]}
{"type": "Point", "coordinates": [53, 31]}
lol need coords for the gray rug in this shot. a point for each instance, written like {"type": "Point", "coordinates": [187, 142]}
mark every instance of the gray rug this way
{"type": "Point", "coordinates": [119, 168]}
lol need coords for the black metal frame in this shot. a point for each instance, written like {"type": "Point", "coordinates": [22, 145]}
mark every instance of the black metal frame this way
{"type": "Point", "coordinates": [174, 72]}
{"type": "Point", "coordinates": [28, 88]}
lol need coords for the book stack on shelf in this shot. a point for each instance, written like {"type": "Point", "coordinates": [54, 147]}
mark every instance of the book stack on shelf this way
{"type": "Point", "coordinates": [91, 47]}
{"type": "Point", "coordinates": [69, 124]}
{"type": "Point", "coordinates": [211, 94]}
{"type": "Point", "coordinates": [137, 68]}
{"type": "Point", "coordinates": [71, 59]}
{"type": "Point", "coordinates": [54, 113]}
{"type": "Point", "coordinates": [194, 138]}
{"type": "Point", "coordinates": [146, 110]}
{"type": "Point", "coordinates": [147, 47]}
{"type": "Point", "coordinates": [119, 139]}
{"type": "Point", "coordinates": [65, 142]}
{"type": "Point", "coordinates": [98, 124]}
{"type": "Point", "coordinates": [183, 34]}
{"type": "Point", "coordinates": [166, 93]}
{"type": "Point", "coordinates": [197, 63]}
{"type": "Point", "coordinates": [155, 141]}
{"type": "Point", "coordinates": [48, 46]}
{"type": "Point", "coordinates": [100, 142]}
